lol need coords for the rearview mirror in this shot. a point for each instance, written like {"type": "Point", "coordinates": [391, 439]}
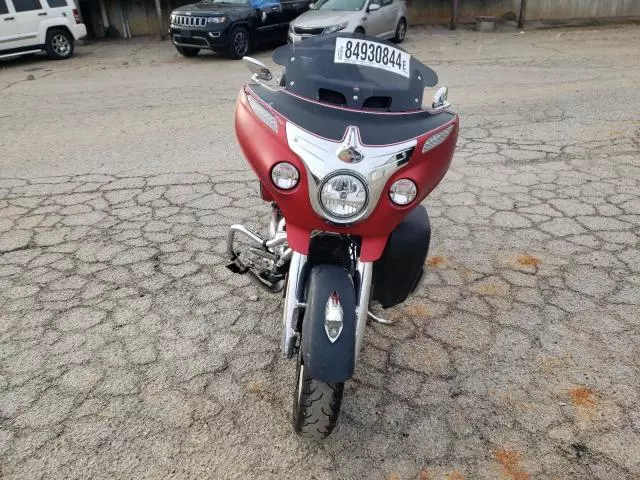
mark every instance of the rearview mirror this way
{"type": "Point", "coordinates": [440, 98]}
{"type": "Point", "coordinates": [373, 7]}
{"type": "Point", "coordinates": [259, 69]}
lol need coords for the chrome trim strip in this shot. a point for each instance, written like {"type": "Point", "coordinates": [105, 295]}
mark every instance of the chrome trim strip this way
{"type": "Point", "coordinates": [365, 271]}
{"type": "Point", "coordinates": [320, 158]}
{"type": "Point", "coordinates": [17, 54]}
{"type": "Point", "coordinates": [292, 304]}
{"type": "Point", "coordinates": [15, 38]}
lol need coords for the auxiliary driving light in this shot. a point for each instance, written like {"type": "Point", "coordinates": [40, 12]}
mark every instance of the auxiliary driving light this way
{"type": "Point", "coordinates": [403, 191]}
{"type": "Point", "coordinates": [285, 175]}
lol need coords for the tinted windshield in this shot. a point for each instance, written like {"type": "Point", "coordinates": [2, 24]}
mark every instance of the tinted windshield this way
{"type": "Point", "coordinates": [341, 5]}
{"type": "Point", "coordinates": [354, 71]}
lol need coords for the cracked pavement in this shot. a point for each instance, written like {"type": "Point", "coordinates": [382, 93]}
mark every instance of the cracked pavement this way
{"type": "Point", "coordinates": [127, 350]}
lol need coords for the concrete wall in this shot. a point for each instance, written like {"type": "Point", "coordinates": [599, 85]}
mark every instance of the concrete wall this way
{"type": "Point", "coordinates": [575, 9]}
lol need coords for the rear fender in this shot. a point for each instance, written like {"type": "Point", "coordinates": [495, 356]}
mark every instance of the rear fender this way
{"type": "Point", "coordinates": [325, 360]}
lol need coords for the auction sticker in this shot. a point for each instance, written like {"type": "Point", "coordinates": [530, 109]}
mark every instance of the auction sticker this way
{"type": "Point", "coordinates": [357, 51]}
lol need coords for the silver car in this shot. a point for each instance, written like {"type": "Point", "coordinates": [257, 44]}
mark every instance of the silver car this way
{"type": "Point", "coordinates": [377, 18]}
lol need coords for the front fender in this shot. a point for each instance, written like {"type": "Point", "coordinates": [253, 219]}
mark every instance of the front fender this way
{"type": "Point", "coordinates": [45, 25]}
{"type": "Point", "coordinates": [325, 360]}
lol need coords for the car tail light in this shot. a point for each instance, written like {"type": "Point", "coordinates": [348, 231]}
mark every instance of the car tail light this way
{"type": "Point", "coordinates": [77, 16]}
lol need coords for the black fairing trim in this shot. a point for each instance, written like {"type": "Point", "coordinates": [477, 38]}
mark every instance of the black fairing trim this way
{"type": "Point", "coordinates": [331, 123]}
{"type": "Point", "coordinates": [397, 272]}
{"type": "Point", "coordinates": [326, 361]}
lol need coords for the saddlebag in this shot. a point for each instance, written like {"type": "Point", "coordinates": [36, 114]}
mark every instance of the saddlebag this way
{"type": "Point", "coordinates": [398, 271]}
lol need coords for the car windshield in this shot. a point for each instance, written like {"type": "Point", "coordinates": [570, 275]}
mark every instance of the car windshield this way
{"type": "Point", "coordinates": [339, 5]}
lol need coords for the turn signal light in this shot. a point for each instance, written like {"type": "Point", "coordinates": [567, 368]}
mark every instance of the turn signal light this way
{"type": "Point", "coordinates": [436, 139]}
{"type": "Point", "coordinates": [262, 113]}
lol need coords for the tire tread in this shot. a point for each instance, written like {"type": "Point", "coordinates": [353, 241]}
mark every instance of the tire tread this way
{"type": "Point", "coordinates": [316, 415]}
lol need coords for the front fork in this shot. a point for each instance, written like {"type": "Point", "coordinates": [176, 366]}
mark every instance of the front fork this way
{"type": "Point", "coordinates": [276, 253]}
{"type": "Point", "coordinates": [294, 306]}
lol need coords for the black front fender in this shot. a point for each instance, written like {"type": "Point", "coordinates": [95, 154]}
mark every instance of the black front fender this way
{"type": "Point", "coordinates": [324, 360]}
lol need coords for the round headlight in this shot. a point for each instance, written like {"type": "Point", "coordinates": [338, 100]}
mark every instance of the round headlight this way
{"type": "Point", "coordinates": [343, 196]}
{"type": "Point", "coordinates": [403, 191]}
{"type": "Point", "coordinates": [285, 175]}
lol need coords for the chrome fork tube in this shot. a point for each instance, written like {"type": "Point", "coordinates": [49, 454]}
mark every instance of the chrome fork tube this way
{"type": "Point", "coordinates": [292, 304]}
{"type": "Point", "coordinates": [365, 270]}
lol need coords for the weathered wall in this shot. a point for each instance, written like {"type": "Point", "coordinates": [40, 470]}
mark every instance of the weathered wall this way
{"type": "Point", "coordinates": [140, 14]}
{"type": "Point", "coordinates": [574, 9]}
{"type": "Point", "coordinates": [439, 11]}
{"type": "Point", "coordinates": [142, 18]}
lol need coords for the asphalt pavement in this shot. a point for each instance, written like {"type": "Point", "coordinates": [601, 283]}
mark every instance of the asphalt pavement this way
{"type": "Point", "coordinates": [127, 350]}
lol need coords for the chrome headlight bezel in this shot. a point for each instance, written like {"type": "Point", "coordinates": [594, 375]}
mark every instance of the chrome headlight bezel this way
{"type": "Point", "coordinates": [331, 215]}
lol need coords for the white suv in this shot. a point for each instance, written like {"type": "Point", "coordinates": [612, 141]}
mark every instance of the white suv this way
{"type": "Point", "coordinates": [30, 26]}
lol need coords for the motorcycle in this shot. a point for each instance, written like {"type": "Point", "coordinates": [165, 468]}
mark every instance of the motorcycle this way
{"type": "Point", "coordinates": [345, 152]}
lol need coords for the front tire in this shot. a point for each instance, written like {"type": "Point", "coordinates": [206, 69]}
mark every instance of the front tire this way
{"type": "Point", "coordinates": [401, 31]}
{"type": "Point", "coordinates": [188, 51]}
{"type": "Point", "coordinates": [59, 44]}
{"type": "Point", "coordinates": [239, 43]}
{"type": "Point", "coordinates": [316, 405]}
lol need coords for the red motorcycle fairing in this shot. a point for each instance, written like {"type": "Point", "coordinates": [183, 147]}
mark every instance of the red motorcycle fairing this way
{"type": "Point", "coordinates": [263, 148]}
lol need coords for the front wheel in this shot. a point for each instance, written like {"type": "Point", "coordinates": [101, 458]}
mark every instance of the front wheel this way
{"type": "Point", "coordinates": [401, 31]}
{"type": "Point", "coordinates": [316, 405]}
{"type": "Point", "coordinates": [59, 44]}
{"type": "Point", "coordinates": [239, 43]}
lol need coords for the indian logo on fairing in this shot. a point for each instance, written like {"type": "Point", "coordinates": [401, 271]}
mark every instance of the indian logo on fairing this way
{"type": "Point", "coordinates": [350, 155]}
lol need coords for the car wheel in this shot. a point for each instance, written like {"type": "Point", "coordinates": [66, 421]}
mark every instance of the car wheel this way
{"type": "Point", "coordinates": [359, 31]}
{"type": "Point", "coordinates": [188, 51]}
{"type": "Point", "coordinates": [239, 43]}
{"type": "Point", "coordinates": [59, 44]}
{"type": "Point", "coordinates": [401, 31]}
